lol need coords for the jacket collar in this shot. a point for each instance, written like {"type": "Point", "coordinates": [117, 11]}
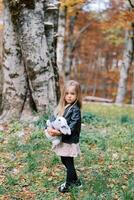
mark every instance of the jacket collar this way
{"type": "Point", "coordinates": [68, 108]}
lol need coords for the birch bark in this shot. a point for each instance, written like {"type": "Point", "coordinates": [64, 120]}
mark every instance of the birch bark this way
{"type": "Point", "coordinates": [126, 64]}
{"type": "Point", "coordinates": [30, 71]}
{"type": "Point", "coordinates": [60, 42]}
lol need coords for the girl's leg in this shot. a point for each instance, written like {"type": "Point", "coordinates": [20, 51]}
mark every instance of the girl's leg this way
{"type": "Point", "coordinates": [71, 172]}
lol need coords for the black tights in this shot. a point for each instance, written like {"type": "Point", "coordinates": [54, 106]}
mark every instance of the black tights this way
{"type": "Point", "coordinates": [71, 172]}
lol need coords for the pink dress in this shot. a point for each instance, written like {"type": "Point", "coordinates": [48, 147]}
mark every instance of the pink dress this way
{"type": "Point", "coordinates": [67, 150]}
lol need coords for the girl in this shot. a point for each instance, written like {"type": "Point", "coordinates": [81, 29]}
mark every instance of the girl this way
{"type": "Point", "coordinates": [69, 107]}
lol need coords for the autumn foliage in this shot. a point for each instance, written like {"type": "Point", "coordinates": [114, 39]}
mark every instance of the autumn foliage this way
{"type": "Point", "coordinates": [98, 50]}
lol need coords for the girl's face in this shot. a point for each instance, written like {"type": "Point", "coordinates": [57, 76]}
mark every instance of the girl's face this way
{"type": "Point", "coordinates": [70, 95]}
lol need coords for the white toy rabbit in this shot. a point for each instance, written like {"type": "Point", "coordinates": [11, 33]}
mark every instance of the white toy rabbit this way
{"type": "Point", "coordinates": [60, 124]}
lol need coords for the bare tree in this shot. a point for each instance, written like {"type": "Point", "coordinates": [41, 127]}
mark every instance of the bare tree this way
{"type": "Point", "coordinates": [126, 64]}
{"type": "Point", "coordinates": [127, 61]}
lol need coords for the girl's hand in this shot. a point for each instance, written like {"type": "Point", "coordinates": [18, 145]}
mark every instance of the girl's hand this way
{"type": "Point", "coordinates": [53, 132]}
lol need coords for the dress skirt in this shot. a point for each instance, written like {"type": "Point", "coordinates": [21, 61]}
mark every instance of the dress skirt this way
{"type": "Point", "coordinates": [67, 150]}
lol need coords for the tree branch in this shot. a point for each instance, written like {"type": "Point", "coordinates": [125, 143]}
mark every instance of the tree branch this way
{"type": "Point", "coordinates": [131, 4]}
{"type": "Point", "coordinates": [79, 34]}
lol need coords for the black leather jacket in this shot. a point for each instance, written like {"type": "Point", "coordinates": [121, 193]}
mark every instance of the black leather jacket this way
{"type": "Point", "coordinates": [73, 116]}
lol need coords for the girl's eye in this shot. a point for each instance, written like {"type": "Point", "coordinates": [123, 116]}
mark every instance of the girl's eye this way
{"type": "Point", "coordinates": [72, 93]}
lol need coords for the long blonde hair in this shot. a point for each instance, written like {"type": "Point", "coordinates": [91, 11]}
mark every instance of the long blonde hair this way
{"type": "Point", "coordinates": [61, 106]}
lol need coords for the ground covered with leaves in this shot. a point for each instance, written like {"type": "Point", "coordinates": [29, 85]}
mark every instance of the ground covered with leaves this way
{"type": "Point", "coordinates": [30, 170]}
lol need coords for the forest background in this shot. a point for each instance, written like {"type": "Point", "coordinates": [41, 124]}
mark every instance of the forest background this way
{"type": "Point", "coordinates": [99, 45]}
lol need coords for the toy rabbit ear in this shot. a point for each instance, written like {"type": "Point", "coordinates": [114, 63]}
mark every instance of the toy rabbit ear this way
{"type": "Point", "coordinates": [65, 130]}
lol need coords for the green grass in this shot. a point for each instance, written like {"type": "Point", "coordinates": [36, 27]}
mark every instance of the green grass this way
{"type": "Point", "coordinates": [29, 169]}
{"type": "Point", "coordinates": [111, 111]}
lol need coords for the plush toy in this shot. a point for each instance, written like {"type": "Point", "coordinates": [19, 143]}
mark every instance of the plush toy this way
{"type": "Point", "coordinates": [59, 124]}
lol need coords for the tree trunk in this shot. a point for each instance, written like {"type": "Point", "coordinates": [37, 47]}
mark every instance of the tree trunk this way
{"type": "Point", "coordinates": [127, 61]}
{"type": "Point", "coordinates": [1, 73]}
{"type": "Point", "coordinates": [1, 87]}
{"type": "Point", "coordinates": [132, 101]}
{"type": "Point", "coordinates": [30, 71]}
{"type": "Point", "coordinates": [60, 42]}
{"type": "Point", "coordinates": [68, 53]}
